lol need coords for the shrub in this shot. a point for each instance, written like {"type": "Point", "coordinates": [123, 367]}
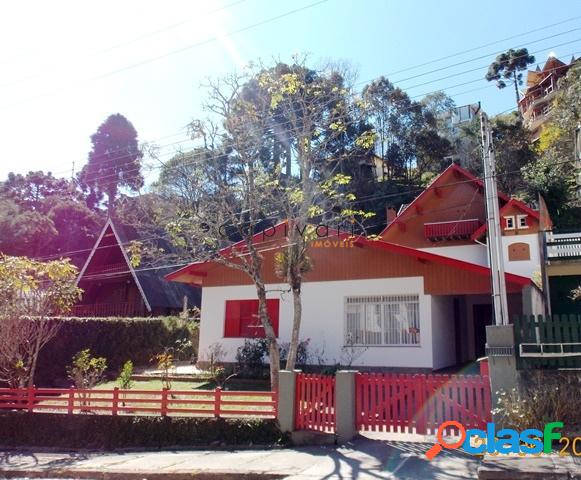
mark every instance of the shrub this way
{"type": "Point", "coordinates": [303, 354]}
{"type": "Point", "coordinates": [109, 432]}
{"type": "Point", "coordinates": [86, 371]}
{"type": "Point", "coordinates": [164, 363]}
{"type": "Point", "coordinates": [546, 397]}
{"type": "Point", "coordinates": [124, 380]}
{"type": "Point", "coordinates": [116, 339]}
{"type": "Point", "coordinates": [250, 358]}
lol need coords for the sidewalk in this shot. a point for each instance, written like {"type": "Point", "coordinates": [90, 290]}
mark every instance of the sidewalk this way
{"type": "Point", "coordinates": [365, 458]}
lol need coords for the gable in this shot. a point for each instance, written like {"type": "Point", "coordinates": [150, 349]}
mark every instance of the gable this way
{"type": "Point", "coordinates": [454, 196]}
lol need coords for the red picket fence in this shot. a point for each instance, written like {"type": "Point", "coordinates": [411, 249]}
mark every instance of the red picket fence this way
{"type": "Point", "coordinates": [402, 402]}
{"type": "Point", "coordinates": [205, 403]}
{"type": "Point", "coordinates": [315, 402]}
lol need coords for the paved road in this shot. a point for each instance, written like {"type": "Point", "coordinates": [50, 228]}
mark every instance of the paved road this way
{"type": "Point", "coordinates": [365, 458]}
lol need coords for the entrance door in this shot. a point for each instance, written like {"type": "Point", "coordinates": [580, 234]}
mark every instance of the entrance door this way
{"type": "Point", "coordinates": [482, 317]}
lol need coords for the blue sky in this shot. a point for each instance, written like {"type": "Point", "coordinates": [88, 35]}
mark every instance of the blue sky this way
{"type": "Point", "coordinates": [66, 67]}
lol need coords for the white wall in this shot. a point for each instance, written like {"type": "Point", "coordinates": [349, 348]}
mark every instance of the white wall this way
{"type": "Point", "coordinates": [323, 319]}
{"type": "Point", "coordinates": [443, 339]}
{"type": "Point", "coordinates": [525, 268]}
{"type": "Point", "coordinates": [469, 253]}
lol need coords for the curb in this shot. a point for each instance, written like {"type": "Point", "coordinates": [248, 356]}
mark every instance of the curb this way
{"type": "Point", "coordinates": [135, 475]}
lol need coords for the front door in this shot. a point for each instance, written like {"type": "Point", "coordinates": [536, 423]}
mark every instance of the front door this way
{"type": "Point", "coordinates": [482, 317]}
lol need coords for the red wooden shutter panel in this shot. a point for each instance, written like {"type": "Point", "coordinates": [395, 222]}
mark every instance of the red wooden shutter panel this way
{"type": "Point", "coordinates": [232, 320]}
{"type": "Point", "coordinates": [273, 311]}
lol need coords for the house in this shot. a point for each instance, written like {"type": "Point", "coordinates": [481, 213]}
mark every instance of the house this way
{"type": "Point", "coordinates": [542, 85]}
{"type": "Point", "coordinates": [418, 298]}
{"type": "Point", "coordinates": [112, 286]}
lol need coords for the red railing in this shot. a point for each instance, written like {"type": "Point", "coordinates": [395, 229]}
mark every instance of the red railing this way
{"type": "Point", "coordinates": [454, 229]}
{"type": "Point", "coordinates": [205, 403]}
{"type": "Point", "coordinates": [315, 402]}
{"type": "Point", "coordinates": [121, 309]}
{"type": "Point", "coordinates": [420, 403]}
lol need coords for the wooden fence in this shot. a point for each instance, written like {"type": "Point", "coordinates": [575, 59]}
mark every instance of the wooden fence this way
{"type": "Point", "coordinates": [204, 403]}
{"type": "Point", "coordinates": [420, 403]}
{"type": "Point", "coordinates": [548, 342]}
{"type": "Point", "coordinates": [315, 402]}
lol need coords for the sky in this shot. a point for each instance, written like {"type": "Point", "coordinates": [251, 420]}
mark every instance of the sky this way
{"type": "Point", "coordinates": [65, 66]}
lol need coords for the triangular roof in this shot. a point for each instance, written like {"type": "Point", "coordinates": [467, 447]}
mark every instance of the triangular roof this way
{"type": "Point", "coordinates": [441, 181]}
{"type": "Point", "coordinates": [153, 288]}
{"type": "Point", "coordinates": [200, 269]}
{"type": "Point", "coordinates": [513, 203]}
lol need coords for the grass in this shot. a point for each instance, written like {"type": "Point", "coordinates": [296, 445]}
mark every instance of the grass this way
{"type": "Point", "coordinates": [156, 384]}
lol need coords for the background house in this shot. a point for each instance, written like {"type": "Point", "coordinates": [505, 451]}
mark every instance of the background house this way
{"type": "Point", "coordinates": [113, 287]}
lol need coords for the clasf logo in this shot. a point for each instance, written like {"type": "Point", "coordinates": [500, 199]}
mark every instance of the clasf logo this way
{"type": "Point", "coordinates": [530, 441]}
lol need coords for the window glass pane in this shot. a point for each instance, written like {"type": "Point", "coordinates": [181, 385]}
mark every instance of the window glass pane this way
{"type": "Point", "coordinates": [382, 320]}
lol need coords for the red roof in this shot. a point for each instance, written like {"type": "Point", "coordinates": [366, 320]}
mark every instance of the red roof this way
{"type": "Point", "coordinates": [523, 207]}
{"type": "Point", "coordinates": [438, 182]}
{"type": "Point", "coordinates": [200, 268]}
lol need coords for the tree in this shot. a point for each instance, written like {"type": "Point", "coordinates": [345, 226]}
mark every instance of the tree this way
{"type": "Point", "coordinates": [552, 174]}
{"type": "Point", "coordinates": [407, 137]}
{"type": "Point", "coordinates": [31, 293]}
{"type": "Point", "coordinates": [506, 69]}
{"type": "Point", "coordinates": [114, 161]}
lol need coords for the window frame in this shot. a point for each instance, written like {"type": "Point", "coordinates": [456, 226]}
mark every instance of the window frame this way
{"type": "Point", "coordinates": [506, 220]}
{"type": "Point", "coordinates": [518, 221]}
{"type": "Point", "coordinates": [386, 301]}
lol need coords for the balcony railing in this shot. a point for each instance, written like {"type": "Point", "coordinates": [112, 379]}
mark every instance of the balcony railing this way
{"type": "Point", "coordinates": [110, 268]}
{"type": "Point", "coordinates": [122, 309]}
{"type": "Point", "coordinates": [454, 230]}
{"type": "Point", "coordinates": [563, 246]}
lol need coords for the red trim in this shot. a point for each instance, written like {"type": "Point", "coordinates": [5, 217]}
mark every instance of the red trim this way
{"type": "Point", "coordinates": [513, 202]}
{"type": "Point", "coordinates": [436, 186]}
{"type": "Point", "coordinates": [452, 262]}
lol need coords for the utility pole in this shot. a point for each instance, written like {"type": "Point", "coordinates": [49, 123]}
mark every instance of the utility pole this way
{"type": "Point", "coordinates": [495, 250]}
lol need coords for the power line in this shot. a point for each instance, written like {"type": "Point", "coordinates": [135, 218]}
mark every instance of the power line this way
{"type": "Point", "coordinates": [128, 42]}
{"type": "Point", "coordinates": [176, 51]}
{"type": "Point", "coordinates": [214, 157]}
{"type": "Point", "coordinates": [443, 78]}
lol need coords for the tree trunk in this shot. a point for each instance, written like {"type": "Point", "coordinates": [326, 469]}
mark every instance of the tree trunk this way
{"type": "Point", "coordinates": [273, 352]}
{"type": "Point", "coordinates": [294, 343]}
{"type": "Point", "coordinates": [516, 93]}
{"type": "Point", "coordinates": [35, 352]}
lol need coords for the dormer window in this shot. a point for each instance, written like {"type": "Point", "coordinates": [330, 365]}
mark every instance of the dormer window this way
{"type": "Point", "coordinates": [509, 223]}
{"type": "Point", "coordinates": [523, 221]}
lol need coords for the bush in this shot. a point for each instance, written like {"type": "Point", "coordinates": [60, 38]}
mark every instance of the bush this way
{"type": "Point", "coordinates": [109, 432]}
{"type": "Point", "coordinates": [86, 371]}
{"type": "Point", "coordinates": [250, 358]}
{"type": "Point", "coordinates": [124, 380]}
{"type": "Point", "coordinates": [303, 354]}
{"type": "Point", "coordinates": [116, 339]}
{"type": "Point", "coordinates": [547, 396]}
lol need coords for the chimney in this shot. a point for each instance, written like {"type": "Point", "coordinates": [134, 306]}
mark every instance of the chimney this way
{"type": "Point", "coordinates": [391, 214]}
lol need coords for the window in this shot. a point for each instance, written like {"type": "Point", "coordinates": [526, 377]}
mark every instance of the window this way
{"type": "Point", "coordinates": [523, 221]}
{"type": "Point", "coordinates": [382, 320]}
{"type": "Point", "coordinates": [509, 223]}
{"type": "Point", "coordinates": [241, 319]}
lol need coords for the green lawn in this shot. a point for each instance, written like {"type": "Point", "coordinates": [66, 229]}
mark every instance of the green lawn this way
{"type": "Point", "coordinates": [156, 384]}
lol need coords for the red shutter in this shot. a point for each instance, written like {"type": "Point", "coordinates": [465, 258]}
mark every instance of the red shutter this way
{"type": "Point", "coordinates": [273, 311]}
{"type": "Point", "coordinates": [232, 320]}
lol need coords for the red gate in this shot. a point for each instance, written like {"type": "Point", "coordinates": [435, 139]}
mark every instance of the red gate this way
{"type": "Point", "coordinates": [315, 402]}
{"type": "Point", "coordinates": [402, 402]}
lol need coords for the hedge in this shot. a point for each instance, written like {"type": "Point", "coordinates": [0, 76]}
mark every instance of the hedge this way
{"type": "Point", "coordinates": [116, 339]}
{"type": "Point", "coordinates": [106, 432]}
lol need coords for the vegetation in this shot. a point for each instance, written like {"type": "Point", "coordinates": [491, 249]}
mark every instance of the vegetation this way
{"type": "Point", "coordinates": [30, 293]}
{"type": "Point", "coordinates": [505, 70]}
{"type": "Point", "coordinates": [114, 432]}
{"type": "Point", "coordinates": [86, 371]}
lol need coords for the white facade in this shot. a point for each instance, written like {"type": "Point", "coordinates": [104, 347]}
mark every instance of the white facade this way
{"type": "Point", "coordinates": [525, 268]}
{"type": "Point", "coordinates": [478, 254]}
{"type": "Point", "coordinates": [475, 253]}
{"type": "Point", "coordinates": [324, 322]}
